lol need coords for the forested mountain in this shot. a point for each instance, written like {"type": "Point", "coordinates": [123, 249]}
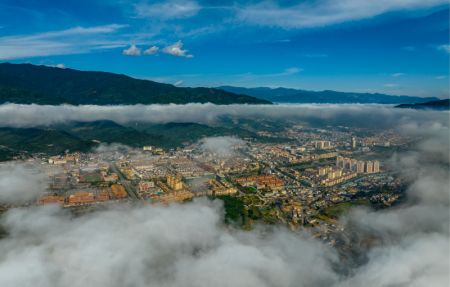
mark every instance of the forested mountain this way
{"type": "Point", "coordinates": [26, 84]}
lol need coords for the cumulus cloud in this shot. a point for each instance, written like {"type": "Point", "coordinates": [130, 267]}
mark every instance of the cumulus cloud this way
{"type": "Point", "coordinates": [20, 183]}
{"type": "Point", "coordinates": [132, 51]}
{"type": "Point", "coordinates": [176, 49]}
{"type": "Point", "coordinates": [224, 146]}
{"type": "Point", "coordinates": [151, 50]}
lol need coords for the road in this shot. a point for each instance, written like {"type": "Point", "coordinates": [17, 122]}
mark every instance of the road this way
{"type": "Point", "coordinates": [125, 182]}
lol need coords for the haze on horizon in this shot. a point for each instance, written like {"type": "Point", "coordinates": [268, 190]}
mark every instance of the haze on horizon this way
{"type": "Point", "coordinates": [398, 47]}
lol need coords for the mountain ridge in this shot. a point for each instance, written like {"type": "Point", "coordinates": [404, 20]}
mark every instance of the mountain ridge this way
{"type": "Point", "coordinates": [288, 95]}
{"type": "Point", "coordinates": [431, 105]}
{"type": "Point", "coordinates": [28, 84]}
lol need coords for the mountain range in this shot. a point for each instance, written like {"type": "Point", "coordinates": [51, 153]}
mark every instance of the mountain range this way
{"type": "Point", "coordinates": [27, 84]}
{"type": "Point", "coordinates": [431, 105]}
{"type": "Point", "coordinates": [285, 95]}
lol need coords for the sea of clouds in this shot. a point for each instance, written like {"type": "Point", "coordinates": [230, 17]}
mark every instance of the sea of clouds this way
{"type": "Point", "coordinates": [18, 115]}
{"type": "Point", "coordinates": [188, 244]}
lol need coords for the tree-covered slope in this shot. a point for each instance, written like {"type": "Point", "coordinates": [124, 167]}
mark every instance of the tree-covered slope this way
{"type": "Point", "coordinates": [26, 83]}
{"type": "Point", "coordinates": [432, 105]}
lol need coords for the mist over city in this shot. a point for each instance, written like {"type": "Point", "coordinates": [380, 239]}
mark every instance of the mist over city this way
{"type": "Point", "coordinates": [241, 143]}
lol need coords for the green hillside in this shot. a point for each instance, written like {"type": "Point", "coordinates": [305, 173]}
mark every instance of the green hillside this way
{"type": "Point", "coordinates": [82, 136]}
{"type": "Point", "coordinates": [26, 84]}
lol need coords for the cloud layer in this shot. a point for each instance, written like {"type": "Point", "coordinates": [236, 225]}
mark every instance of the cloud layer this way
{"type": "Point", "coordinates": [179, 245]}
{"type": "Point", "coordinates": [15, 115]}
{"type": "Point", "coordinates": [188, 245]}
{"type": "Point", "coordinates": [20, 183]}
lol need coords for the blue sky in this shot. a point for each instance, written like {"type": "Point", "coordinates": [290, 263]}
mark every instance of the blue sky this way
{"type": "Point", "coordinates": [389, 46]}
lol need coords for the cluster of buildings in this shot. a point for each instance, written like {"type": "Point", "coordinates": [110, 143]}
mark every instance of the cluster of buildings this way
{"type": "Point", "coordinates": [322, 145]}
{"type": "Point", "coordinates": [291, 181]}
{"type": "Point", "coordinates": [67, 158]}
{"type": "Point", "coordinates": [271, 182]}
{"type": "Point", "coordinates": [219, 187]}
{"type": "Point", "coordinates": [175, 196]}
{"type": "Point", "coordinates": [83, 197]}
{"type": "Point", "coordinates": [329, 176]}
{"type": "Point", "coordinates": [175, 182]}
{"type": "Point", "coordinates": [357, 166]}
{"type": "Point", "coordinates": [289, 154]}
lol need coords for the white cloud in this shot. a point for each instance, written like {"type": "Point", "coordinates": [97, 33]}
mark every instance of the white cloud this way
{"type": "Point", "coordinates": [75, 40]}
{"type": "Point", "coordinates": [441, 77]}
{"type": "Point", "coordinates": [166, 10]}
{"type": "Point", "coordinates": [223, 146]}
{"type": "Point", "coordinates": [151, 50]}
{"type": "Point", "coordinates": [20, 183]}
{"type": "Point", "coordinates": [178, 83]}
{"type": "Point", "coordinates": [16, 115]}
{"type": "Point", "coordinates": [292, 71]}
{"type": "Point", "coordinates": [390, 85]}
{"type": "Point", "coordinates": [397, 74]}
{"type": "Point", "coordinates": [176, 49]}
{"type": "Point", "coordinates": [60, 66]}
{"type": "Point", "coordinates": [323, 12]}
{"type": "Point", "coordinates": [177, 245]}
{"type": "Point", "coordinates": [286, 72]}
{"type": "Point", "coordinates": [132, 51]}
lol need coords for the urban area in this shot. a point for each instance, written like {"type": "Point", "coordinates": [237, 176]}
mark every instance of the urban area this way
{"type": "Point", "coordinates": [306, 183]}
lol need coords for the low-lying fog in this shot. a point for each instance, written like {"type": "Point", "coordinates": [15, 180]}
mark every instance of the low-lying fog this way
{"type": "Point", "coordinates": [188, 244]}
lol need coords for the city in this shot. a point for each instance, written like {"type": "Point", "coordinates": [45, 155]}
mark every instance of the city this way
{"type": "Point", "coordinates": [308, 183]}
{"type": "Point", "coordinates": [243, 143]}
